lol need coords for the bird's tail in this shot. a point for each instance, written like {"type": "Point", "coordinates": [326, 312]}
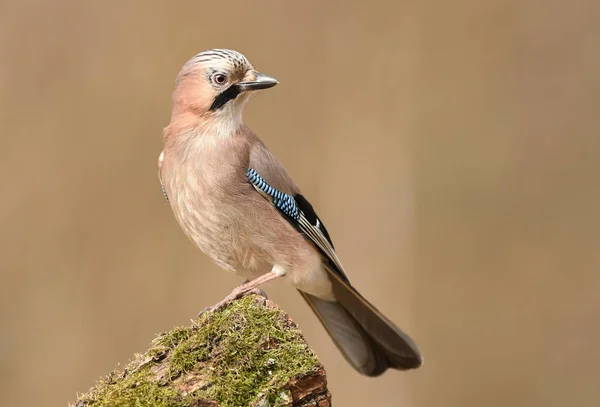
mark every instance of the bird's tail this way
{"type": "Point", "coordinates": [368, 340]}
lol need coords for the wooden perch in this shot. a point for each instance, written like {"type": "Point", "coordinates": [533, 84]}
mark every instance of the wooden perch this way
{"type": "Point", "coordinates": [248, 354]}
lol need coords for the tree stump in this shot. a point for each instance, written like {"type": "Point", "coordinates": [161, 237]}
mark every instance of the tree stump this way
{"type": "Point", "coordinates": [247, 354]}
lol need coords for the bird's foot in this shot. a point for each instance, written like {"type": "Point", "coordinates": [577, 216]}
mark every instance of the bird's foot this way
{"type": "Point", "coordinates": [237, 292]}
{"type": "Point", "coordinates": [257, 290]}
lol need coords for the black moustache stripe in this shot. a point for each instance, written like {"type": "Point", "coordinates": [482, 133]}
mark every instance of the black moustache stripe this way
{"type": "Point", "coordinates": [222, 98]}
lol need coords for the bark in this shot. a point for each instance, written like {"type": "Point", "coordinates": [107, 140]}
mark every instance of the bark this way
{"type": "Point", "coordinates": [247, 354]}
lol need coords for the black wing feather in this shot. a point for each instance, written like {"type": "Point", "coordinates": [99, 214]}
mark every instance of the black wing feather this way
{"type": "Point", "coordinates": [311, 215]}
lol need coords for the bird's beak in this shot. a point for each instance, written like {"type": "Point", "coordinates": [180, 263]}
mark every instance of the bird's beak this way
{"type": "Point", "coordinates": [261, 81]}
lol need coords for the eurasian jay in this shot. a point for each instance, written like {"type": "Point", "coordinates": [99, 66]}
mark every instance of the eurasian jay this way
{"type": "Point", "coordinates": [240, 206]}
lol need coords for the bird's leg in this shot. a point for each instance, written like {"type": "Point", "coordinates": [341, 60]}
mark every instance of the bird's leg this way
{"type": "Point", "coordinates": [256, 290]}
{"type": "Point", "coordinates": [246, 288]}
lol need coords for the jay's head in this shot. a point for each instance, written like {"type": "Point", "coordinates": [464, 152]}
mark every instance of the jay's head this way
{"type": "Point", "coordinates": [215, 85]}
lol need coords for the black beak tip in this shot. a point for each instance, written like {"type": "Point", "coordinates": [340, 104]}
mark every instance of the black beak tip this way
{"type": "Point", "coordinates": [268, 85]}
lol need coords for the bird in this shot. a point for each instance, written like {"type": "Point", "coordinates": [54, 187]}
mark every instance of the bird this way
{"type": "Point", "coordinates": [239, 205]}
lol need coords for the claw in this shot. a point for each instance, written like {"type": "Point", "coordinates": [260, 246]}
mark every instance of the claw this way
{"type": "Point", "coordinates": [235, 294]}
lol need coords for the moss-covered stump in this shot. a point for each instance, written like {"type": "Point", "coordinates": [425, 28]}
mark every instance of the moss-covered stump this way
{"type": "Point", "coordinates": [248, 354]}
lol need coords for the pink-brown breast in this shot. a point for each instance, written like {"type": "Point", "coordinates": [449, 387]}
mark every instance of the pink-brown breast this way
{"type": "Point", "coordinates": [225, 217]}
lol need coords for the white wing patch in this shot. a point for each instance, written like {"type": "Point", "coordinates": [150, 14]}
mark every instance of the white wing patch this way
{"type": "Point", "coordinates": [161, 157]}
{"type": "Point", "coordinates": [315, 234]}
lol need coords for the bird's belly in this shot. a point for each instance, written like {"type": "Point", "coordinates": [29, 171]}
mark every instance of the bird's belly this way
{"type": "Point", "coordinates": [214, 229]}
{"type": "Point", "coordinates": [221, 230]}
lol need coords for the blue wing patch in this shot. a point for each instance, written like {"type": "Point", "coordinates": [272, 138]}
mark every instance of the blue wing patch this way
{"type": "Point", "coordinates": [282, 201]}
{"type": "Point", "coordinates": [164, 192]}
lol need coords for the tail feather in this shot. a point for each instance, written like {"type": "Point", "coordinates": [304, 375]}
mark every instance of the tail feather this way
{"type": "Point", "coordinates": [369, 341]}
{"type": "Point", "coordinates": [353, 342]}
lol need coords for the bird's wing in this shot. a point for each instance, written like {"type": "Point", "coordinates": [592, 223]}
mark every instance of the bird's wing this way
{"type": "Point", "coordinates": [160, 162]}
{"type": "Point", "coordinates": [357, 326]}
{"type": "Point", "coordinates": [271, 179]}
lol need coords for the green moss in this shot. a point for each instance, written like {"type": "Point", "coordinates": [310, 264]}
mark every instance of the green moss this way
{"type": "Point", "coordinates": [234, 356]}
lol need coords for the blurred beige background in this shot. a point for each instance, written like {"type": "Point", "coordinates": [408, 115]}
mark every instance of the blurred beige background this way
{"type": "Point", "coordinates": [451, 147]}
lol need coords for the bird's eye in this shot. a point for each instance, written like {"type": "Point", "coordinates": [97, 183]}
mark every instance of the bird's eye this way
{"type": "Point", "coordinates": [219, 79]}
